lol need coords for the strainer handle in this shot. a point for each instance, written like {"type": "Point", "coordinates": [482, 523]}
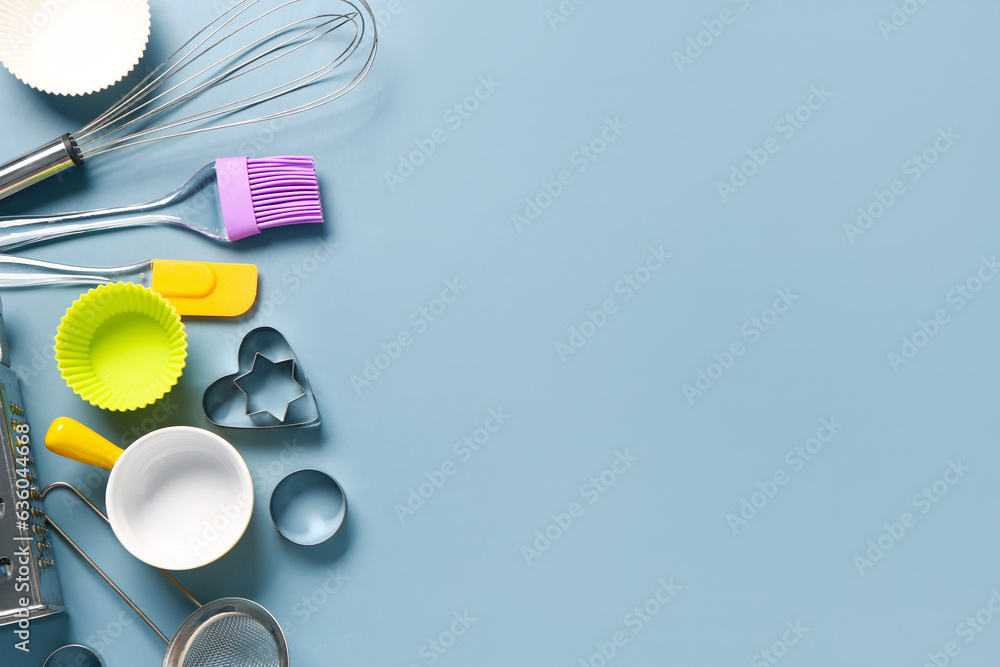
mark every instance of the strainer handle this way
{"type": "Point", "coordinates": [95, 567]}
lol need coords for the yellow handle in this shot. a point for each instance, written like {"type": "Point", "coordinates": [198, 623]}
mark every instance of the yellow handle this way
{"type": "Point", "coordinates": [183, 279]}
{"type": "Point", "coordinates": [68, 437]}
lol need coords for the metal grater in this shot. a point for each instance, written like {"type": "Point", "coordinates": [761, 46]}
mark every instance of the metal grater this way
{"type": "Point", "coordinates": [32, 577]}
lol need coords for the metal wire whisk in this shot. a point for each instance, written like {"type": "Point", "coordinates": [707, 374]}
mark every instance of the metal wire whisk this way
{"type": "Point", "coordinates": [249, 46]}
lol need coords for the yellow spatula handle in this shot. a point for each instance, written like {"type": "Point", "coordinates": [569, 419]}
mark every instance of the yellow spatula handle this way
{"type": "Point", "coordinates": [68, 437]}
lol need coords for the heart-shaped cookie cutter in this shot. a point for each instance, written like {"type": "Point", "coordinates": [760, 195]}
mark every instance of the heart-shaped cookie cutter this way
{"type": "Point", "coordinates": [269, 389]}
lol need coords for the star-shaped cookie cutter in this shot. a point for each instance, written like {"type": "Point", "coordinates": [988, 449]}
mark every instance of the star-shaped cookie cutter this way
{"type": "Point", "coordinates": [240, 400]}
{"type": "Point", "coordinates": [255, 389]}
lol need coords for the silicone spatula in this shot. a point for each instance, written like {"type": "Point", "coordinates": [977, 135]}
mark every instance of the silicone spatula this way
{"type": "Point", "coordinates": [210, 289]}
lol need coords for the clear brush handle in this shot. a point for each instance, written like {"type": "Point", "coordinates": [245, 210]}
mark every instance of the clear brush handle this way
{"type": "Point", "coordinates": [39, 164]}
{"type": "Point", "coordinates": [186, 206]}
{"type": "Point", "coordinates": [23, 272]}
{"type": "Point", "coordinates": [17, 232]}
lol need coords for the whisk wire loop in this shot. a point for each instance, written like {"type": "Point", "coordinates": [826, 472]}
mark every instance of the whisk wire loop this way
{"type": "Point", "coordinates": [123, 125]}
{"type": "Point", "coordinates": [218, 80]}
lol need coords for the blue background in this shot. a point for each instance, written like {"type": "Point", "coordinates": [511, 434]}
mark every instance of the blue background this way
{"type": "Point", "coordinates": [401, 581]}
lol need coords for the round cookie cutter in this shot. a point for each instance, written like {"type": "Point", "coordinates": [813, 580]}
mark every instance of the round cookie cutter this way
{"type": "Point", "coordinates": [74, 655]}
{"type": "Point", "coordinates": [308, 507]}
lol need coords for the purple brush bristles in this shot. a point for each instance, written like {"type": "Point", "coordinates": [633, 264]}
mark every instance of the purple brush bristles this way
{"type": "Point", "coordinates": [263, 193]}
{"type": "Point", "coordinates": [284, 191]}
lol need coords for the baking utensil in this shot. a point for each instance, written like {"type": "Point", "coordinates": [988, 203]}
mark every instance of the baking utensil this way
{"type": "Point", "coordinates": [74, 655]}
{"type": "Point", "coordinates": [229, 632]}
{"type": "Point", "coordinates": [192, 288]}
{"type": "Point", "coordinates": [177, 498]}
{"type": "Point", "coordinates": [267, 374]}
{"type": "Point", "coordinates": [72, 47]}
{"type": "Point", "coordinates": [121, 347]}
{"type": "Point", "coordinates": [29, 587]}
{"type": "Point", "coordinates": [268, 390]}
{"type": "Point", "coordinates": [228, 200]}
{"type": "Point", "coordinates": [308, 507]}
{"type": "Point", "coordinates": [304, 60]}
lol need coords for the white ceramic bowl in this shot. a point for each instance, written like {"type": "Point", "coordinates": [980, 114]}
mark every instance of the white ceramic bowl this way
{"type": "Point", "coordinates": [72, 47]}
{"type": "Point", "coordinates": [179, 497]}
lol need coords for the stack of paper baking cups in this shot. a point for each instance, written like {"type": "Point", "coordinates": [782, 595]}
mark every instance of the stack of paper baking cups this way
{"type": "Point", "coordinates": [72, 47]}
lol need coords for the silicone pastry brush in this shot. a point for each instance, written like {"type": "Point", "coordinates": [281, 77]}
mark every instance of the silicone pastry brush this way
{"type": "Point", "coordinates": [228, 200]}
{"type": "Point", "coordinates": [192, 288]}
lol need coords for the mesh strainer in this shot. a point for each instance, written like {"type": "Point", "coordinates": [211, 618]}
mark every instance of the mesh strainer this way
{"type": "Point", "coordinates": [225, 633]}
{"type": "Point", "coordinates": [228, 632]}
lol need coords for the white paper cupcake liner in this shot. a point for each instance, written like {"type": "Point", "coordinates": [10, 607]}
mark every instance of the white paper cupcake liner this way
{"type": "Point", "coordinates": [72, 47]}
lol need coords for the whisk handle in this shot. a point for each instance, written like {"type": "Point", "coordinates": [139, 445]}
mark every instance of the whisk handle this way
{"type": "Point", "coordinates": [39, 164]}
